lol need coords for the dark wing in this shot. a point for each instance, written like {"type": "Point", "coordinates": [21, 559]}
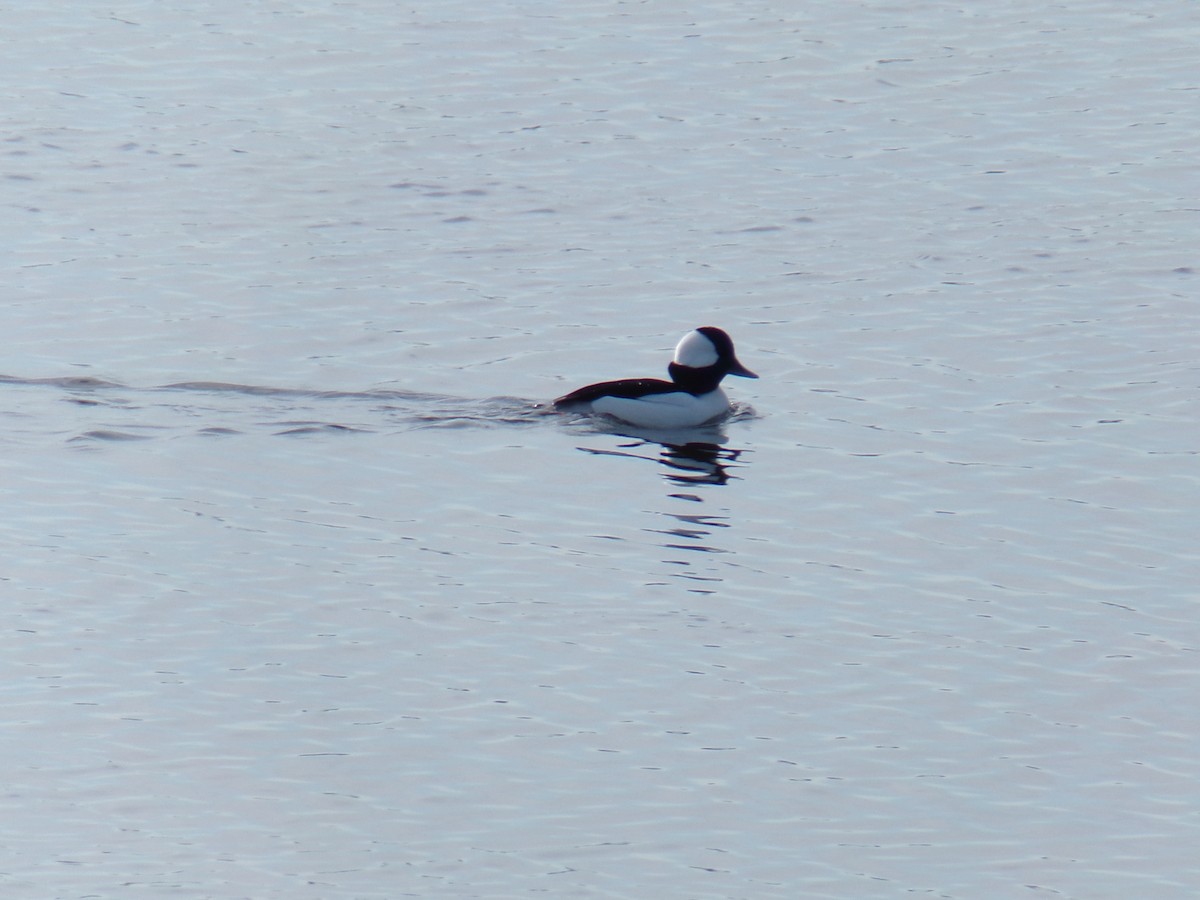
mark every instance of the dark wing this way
{"type": "Point", "coordinates": [629, 387]}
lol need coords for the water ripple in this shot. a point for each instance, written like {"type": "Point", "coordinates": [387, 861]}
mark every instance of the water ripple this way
{"type": "Point", "coordinates": [120, 412]}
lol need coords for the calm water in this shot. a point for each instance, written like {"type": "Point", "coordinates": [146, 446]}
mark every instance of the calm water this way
{"type": "Point", "coordinates": [307, 596]}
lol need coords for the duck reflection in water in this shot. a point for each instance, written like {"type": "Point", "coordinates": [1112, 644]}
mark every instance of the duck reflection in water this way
{"type": "Point", "coordinates": [690, 467]}
{"type": "Point", "coordinates": [699, 462]}
{"type": "Point", "coordinates": [693, 462]}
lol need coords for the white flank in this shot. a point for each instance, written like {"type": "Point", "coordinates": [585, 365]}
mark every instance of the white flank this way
{"type": "Point", "coordinates": [674, 410]}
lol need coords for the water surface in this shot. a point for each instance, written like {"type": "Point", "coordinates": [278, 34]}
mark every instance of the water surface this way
{"type": "Point", "coordinates": [309, 596]}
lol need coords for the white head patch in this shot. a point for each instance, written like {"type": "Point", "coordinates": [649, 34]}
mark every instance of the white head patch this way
{"type": "Point", "coordinates": [695, 351]}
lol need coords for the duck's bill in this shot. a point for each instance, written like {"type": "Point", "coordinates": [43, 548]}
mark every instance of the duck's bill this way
{"type": "Point", "coordinates": [738, 369]}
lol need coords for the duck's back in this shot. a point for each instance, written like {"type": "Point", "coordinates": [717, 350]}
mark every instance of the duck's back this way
{"type": "Point", "coordinates": [630, 388]}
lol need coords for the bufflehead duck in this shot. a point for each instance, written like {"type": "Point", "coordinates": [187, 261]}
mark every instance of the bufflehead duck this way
{"type": "Point", "coordinates": [692, 397]}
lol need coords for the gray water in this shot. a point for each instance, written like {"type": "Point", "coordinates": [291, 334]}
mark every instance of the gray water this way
{"type": "Point", "coordinates": [309, 596]}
